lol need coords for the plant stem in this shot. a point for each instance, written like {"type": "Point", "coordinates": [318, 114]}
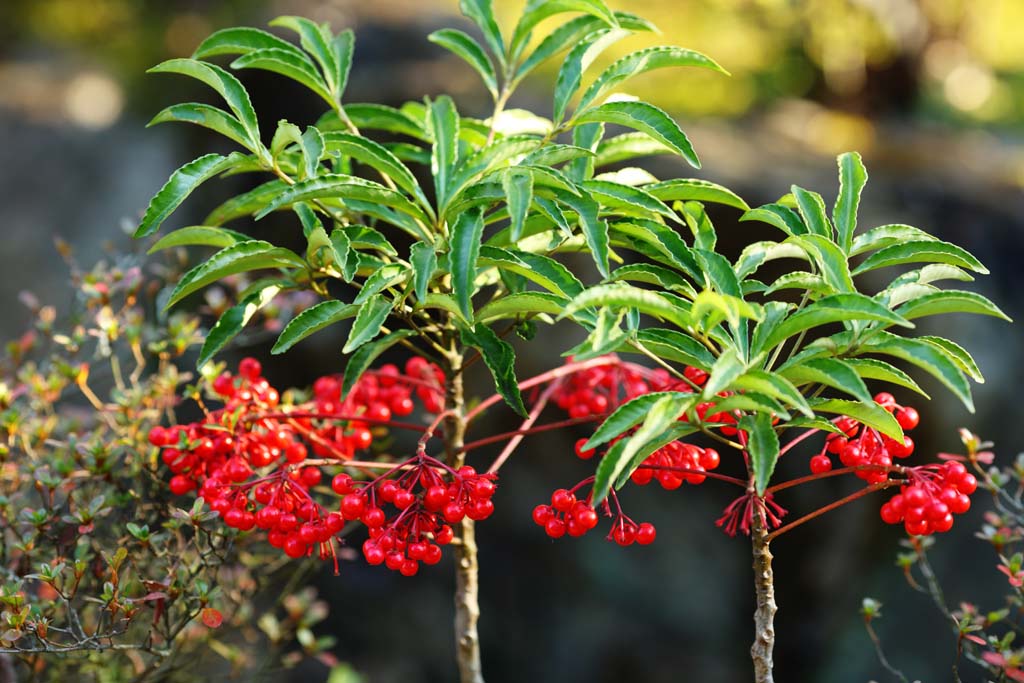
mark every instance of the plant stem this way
{"type": "Point", "coordinates": [467, 606]}
{"type": "Point", "coordinates": [764, 590]}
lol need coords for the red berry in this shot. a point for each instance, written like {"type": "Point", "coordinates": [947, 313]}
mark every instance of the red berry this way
{"type": "Point", "coordinates": [907, 417]}
{"type": "Point", "coordinates": [250, 368]}
{"type": "Point", "coordinates": [710, 459]}
{"type": "Point", "coordinates": [180, 485]}
{"type": "Point", "coordinates": [341, 484]}
{"type": "Point", "coordinates": [967, 483]}
{"type": "Point", "coordinates": [353, 505]}
{"type": "Point", "coordinates": [541, 514]}
{"type": "Point", "coordinates": [645, 533]}
{"type": "Point", "coordinates": [555, 528]}
{"type": "Point", "coordinates": [294, 547]}
{"type": "Point", "coordinates": [820, 464]}
{"type": "Point", "coordinates": [562, 500]}
{"type": "Point", "coordinates": [581, 453]}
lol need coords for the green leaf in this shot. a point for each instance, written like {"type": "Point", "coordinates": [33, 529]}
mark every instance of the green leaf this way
{"type": "Point", "coordinates": [537, 11]}
{"type": "Point", "coordinates": [749, 402]}
{"type": "Point", "coordinates": [653, 275]}
{"type": "Point", "coordinates": [565, 36]}
{"type": "Point", "coordinates": [233, 321]}
{"type": "Point", "coordinates": [886, 236]}
{"type": "Point", "coordinates": [691, 189]}
{"type": "Point", "coordinates": [812, 209]}
{"type": "Point", "coordinates": [377, 157]}
{"type": "Point", "coordinates": [545, 271]}
{"type": "Point", "coordinates": [316, 40]}
{"type": "Point", "coordinates": [831, 372]}
{"type": "Point", "coordinates": [521, 304]}
{"type": "Point", "coordinates": [673, 433]}
{"type": "Point", "coordinates": [595, 231]}
{"type": "Point", "coordinates": [872, 368]}
{"type": "Point", "coordinates": [364, 237]}
{"type": "Point", "coordinates": [238, 258]}
{"type": "Point", "coordinates": [500, 358]}
{"type": "Point", "coordinates": [578, 61]}
{"type": "Point", "coordinates": [206, 116]}
{"type": "Point", "coordinates": [628, 415]}
{"type": "Point", "coordinates": [246, 203]}
{"type": "Point", "coordinates": [852, 178]}
{"type": "Point", "coordinates": [646, 118]}
{"type": "Point", "coordinates": [364, 356]}
{"type": "Point", "coordinates": [762, 447]}
{"type": "Point", "coordinates": [629, 146]}
{"type": "Point", "coordinates": [424, 261]}
{"type": "Point", "coordinates": [950, 301]}
{"type": "Point", "coordinates": [343, 46]}
{"type": "Point", "coordinates": [382, 278]}
{"type": "Point", "coordinates": [444, 124]}
{"type": "Point", "coordinates": [661, 415]}
{"type": "Point", "coordinates": [871, 414]}
{"type": "Point", "coordinates": [918, 251]}
{"type": "Point", "coordinates": [481, 13]}
{"type": "Point", "coordinates": [617, 196]}
{"type": "Point", "coordinates": [664, 240]}
{"type": "Point", "coordinates": [619, 295]}
{"type": "Point", "coordinates": [758, 253]}
{"type": "Point", "coordinates": [640, 62]}
{"type": "Point", "coordinates": [677, 346]}
{"type": "Point", "coordinates": [723, 373]}
{"type": "Point", "coordinates": [779, 216]}
{"type": "Point", "coordinates": [518, 186]}
{"type": "Point", "coordinates": [831, 309]}
{"type": "Point", "coordinates": [775, 386]}
{"type": "Point", "coordinates": [370, 116]}
{"type": "Point", "coordinates": [198, 235]}
{"type": "Point", "coordinates": [287, 63]}
{"type": "Point", "coordinates": [313, 319]}
{"type": "Point", "coordinates": [180, 185]}
{"type": "Point", "coordinates": [957, 354]}
{"type": "Point", "coordinates": [831, 260]}
{"type": "Point", "coordinates": [226, 85]}
{"type": "Point", "coordinates": [470, 51]}
{"type": "Point", "coordinates": [369, 318]}
{"type": "Point", "coordinates": [240, 41]}
{"type": "Point", "coordinates": [925, 356]}
{"type": "Point", "coordinates": [467, 234]}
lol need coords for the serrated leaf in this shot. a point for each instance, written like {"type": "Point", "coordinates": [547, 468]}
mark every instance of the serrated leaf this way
{"type": "Point", "coordinates": [238, 258]}
{"type": "Point", "coordinates": [726, 369]}
{"type": "Point", "coordinates": [886, 236]}
{"type": "Point", "coordinates": [692, 189]}
{"type": "Point", "coordinates": [538, 268]}
{"type": "Point", "coordinates": [957, 354]}
{"type": "Point", "coordinates": [298, 67]}
{"type": "Point", "coordinates": [950, 301]}
{"type": "Point", "coordinates": [316, 40]}
{"type": "Point", "coordinates": [565, 36]}
{"type": "Point", "coordinates": [762, 447]}
{"type": "Point", "coordinates": [372, 116]}
{"type": "Point", "coordinates": [676, 346]}
{"type": "Point", "coordinates": [925, 356]}
{"type": "Point", "coordinates": [831, 372]}
{"type": "Point", "coordinates": [343, 46]}
{"type": "Point", "coordinates": [444, 126]}
{"type": "Point", "coordinates": [595, 231]}
{"type": "Point", "coordinates": [369, 318]}
{"type": "Point", "coordinates": [629, 146]}
{"type": "Point", "coordinates": [365, 237]}
{"type": "Point", "coordinates": [198, 236]}
{"type": "Point", "coordinates": [646, 118]}
{"type": "Point", "coordinates": [206, 116]}
{"type": "Point", "coordinates": [774, 385]}
{"type": "Point", "coordinates": [779, 216]}
{"type": "Point", "coordinates": [673, 433]}
{"type": "Point", "coordinates": [660, 416]}
{"type": "Point", "coordinates": [246, 203]}
{"type": "Point", "coordinates": [470, 52]}
{"type": "Point", "coordinates": [226, 85]}
{"type": "Point", "coordinates": [518, 186]}
{"type": "Point", "coordinates": [313, 319]}
{"type": "Point", "coordinates": [628, 415]}
{"type": "Point", "coordinates": [382, 278]}
{"type": "Point", "coordinates": [466, 237]}
{"type": "Point", "coordinates": [872, 368]}
{"type": "Point", "coordinates": [641, 61]}
{"type": "Point", "coordinates": [424, 260]}
{"type": "Point", "coordinates": [653, 275]}
{"type": "Point", "coordinates": [537, 11]}
{"type": "Point", "coordinates": [578, 61]}
{"type": "Point", "coordinates": [379, 158]}
{"type": "Point", "coordinates": [831, 309]}
{"type": "Point", "coordinates": [812, 209]}
{"type": "Point", "coordinates": [523, 303]}
{"type": "Point", "coordinates": [619, 295]}
{"type": "Point", "coordinates": [180, 185]}
{"type": "Point", "coordinates": [756, 254]}
{"type": "Point", "coordinates": [481, 13]}
{"type": "Point", "coordinates": [500, 358]}
{"type": "Point", "coordinates": [364, 356]}
{"type": "Point", "coordinates": [918, 251]}
{"type": "Point", "coordinates": [233, 321]}
{"type": "Point", "coordinates": [240, 41]}
{"type": "Point", "coordinates": [871, 414]}
{"type": "Point", "coordinates": [831, 261]}
{"type": "Point", "coordinates": [617, 196]}
{"type": "Point", "coordinates": [605, 336]}
{"type": "Point", "coordinates": [852, 178]}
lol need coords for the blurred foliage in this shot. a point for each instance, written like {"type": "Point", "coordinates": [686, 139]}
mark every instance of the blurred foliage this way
{"type": "Point", "coordinates": [953, 60]}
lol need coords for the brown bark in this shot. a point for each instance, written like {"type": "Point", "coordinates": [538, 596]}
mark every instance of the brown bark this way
{"type": "Point", "coordinates": [764, 614]}
{"type": "Point", "coordinates": [467, 606]}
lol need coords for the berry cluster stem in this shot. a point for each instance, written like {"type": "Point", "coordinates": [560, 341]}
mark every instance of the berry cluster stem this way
{"type": "Point", "coordinates": [467, 586]}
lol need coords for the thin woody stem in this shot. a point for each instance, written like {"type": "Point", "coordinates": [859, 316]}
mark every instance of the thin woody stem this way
{"type": "Point", "coordinates": [889, 483]}
{"type": "Point", "coordinates": [514, 442]}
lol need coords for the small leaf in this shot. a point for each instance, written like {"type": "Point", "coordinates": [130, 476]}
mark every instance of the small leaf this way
{"type": "Point", "coordinates": [852, 178]}
{"type": "Point", "coordinates": [467, 234]}
{"type": "Point", "coordinates": [364, 356]}
{"type": "Point", "coordinates": [831, 309]}
{"type": "Point", "coordinates": [835, 269]}
{"type": "Point", "coordinates": [240, 41]}
{"type": "Point", "coordinates": [871, 414]}
{"type": "Point", "coordinates": [812, 209]}
{"type": "Point", "coordinates": [920, 251]}
{"type": "Point", "coordinates": [677, 346]}
{"type": "Point", "coordinates": [619, 295]}
{"type": "Point", "coordinates": [831, 372]}
{"type": "Point", "coordinates": [233, 321]}
{"type": "Point", "coordinates": [470, 51]}
{"type": "Point", "coordinates": [208, 117]}
{"type": "Point", "coordinates": [887, 236]}
{"type": "Point", "coordinates": [723, 373]}
{"type": "Point", "coordinates": [518, 186]}
{"type": "Point", "coordinates": [287, 63]}
{"type": "Point", "coordinates": [646, 118]}
{"type": "Point", "coordinates": [782, 217]}
{"type": "Point", "coordinates": [316, 40]}
{"type": "Point", "coordinates": [369, 319]}
{"type": "Point", "coordinates": [481, 13]}
{"type": "Point", "coordinates": [313, 319]}
{"type": "Point", "coordinates": [522, 304]}
{"type": "Point", "coordinates": [198, 236]}
{"type": "Point", "coordinates": [872, 368]}
{"type": "Point", "coordinates": [238, 258]}
{"type": "Point", "coordinates": [537, 11]}
{"type": "Point", "coordinates": [424, 261]}
{"type": "Point", "coordinates": [950, 301]}
{"type": "Point", "coordinates": [500, 359]}
{"type": "Point", "coordinates": [538, 268]}
{"type": "Point", "coordinates": [379, 158]}
{"type": "Point", "coordinates": [578, 61]}
{"type": "Point", "coordinates": [628, 415]}
{"type": "Point", "coordinates": [925, 356]}
{"type": "Point", "coordinates": [957, 354]}
{"type": "Point", "coordinates": [444, 124]}
{"type": "Point", "coordinates": [691, 189]}
{"type": "Point", "coordinates": [763, 448]}
{"type": "Point", "coordinates": [180, 185]}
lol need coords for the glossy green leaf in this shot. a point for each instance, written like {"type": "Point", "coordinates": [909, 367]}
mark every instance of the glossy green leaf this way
{"type": "Point", "coordinates": [628, 415]}
{"type": "Point", "coordinates": [208, 117]}
{"type": "Point", "coordinates": [871, 414]}
{"type": "Point", "coordinates": [518, 186]}
{"type": "Point", "coordinates": [372, 116]}
{"type": "Point", "coordinates": [831, 372]}
{"type": "Point", "coordinates": [629, 146]}
{"type": "Point", "coordinates": [180, 185]}
{"type": "Point", "coordinates": [779, 216]}
{"type": "Point", "coordinates": [756, 254]}
{"type": "Point", "coordinates": [232, 321]}
{"type": "Point", "coordinates": [579, 59]}
{"type": "Point", "coordinates": [238, 258]}
{"type": "Point", "coordinates": [311, 320]}
{"type": "Point", "coordinates": [886, 236]}
{"type": "Point", "coordinates": [343, 46]}
{"type": "Point", "coordinates": [246, 203]}
{"type": "Point", "coordinates": [243, 40]}
{"type": "Point", "coordinates": [377, 157]}
{"type": "Point", "coordinates": [950, 301]}
{"type": "Point", "coordinates": [692, 189]}
{"type": "Point", "coordinates": [382, 278]}
{"type": "Point", "coordinates": [620, 295]}
{"type": "Point", "coordinates": [286, 63]}
{"type": "Point", "coordinates": [673, 433]}
{"type": "Point", "coordinates": [467, 234]}
{"type": "Point", "coordinates": [676, 346]}
{"type": "Point", "coordinates": [563, 37]}
{"type": "Point", "coordinates": [198, 236]}
{"type": "Point", "coordinates": [775, 386]}
{"type": "Point", "coordinates": [500, 358]}
{"type": "Point", "coordinates": [831, 261]}
{"type": "Point", "coordinates": [852, 178]}
{"type": "Point", "coordinates": [723, 373]}
{"type": "Point", "coordinates": [369, 318]}
{"type": "Point", "coordinates": [470, 52]}
{"type": "Point", "coordinates": [957, 354]}
{"type": "Point", "coordinates": [364, 237]}
{"type": "Point", "coordinates": [762, 447]}
{"type": "Point", "coordinates": [832, 309]}
{"type": "Point", "coordinates": [646, 118]}
{"type": "Point", "coordinates": [617, 196]}
{"type": "Point", "coordinates": [538, 268]}
{"type": "Point", "coordinates": [920, 251]}
{"type": "Point", "coordinates": [364, 356]}
{"type": "Point", "coordinates": [523, 303]}
{"type": "Point", "coordinates": [812, 208]}
{"type": "Point", "coordinates": [872, 368]}
{"type": "Point", "coordinates": [316, 40]}
{"type": "Point", "coordinates": [424, 261]}
{"type": "Point", "coordinates": [444, 126]}
{"type": "Point", "coordinates": [537, 11]}
{"type": "Point", "coordinates": [481, 13]}
{"type": "Point", "coordinates": [925, 356]}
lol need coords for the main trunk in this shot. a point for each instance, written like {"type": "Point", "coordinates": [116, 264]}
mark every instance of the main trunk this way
{"type": "Point", "coordinates": [764, 614]}
{"type": "Point", "coordinates": [467, 607]}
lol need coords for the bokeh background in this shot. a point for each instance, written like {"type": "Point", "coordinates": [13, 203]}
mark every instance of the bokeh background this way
{"type": "Point", "coordinates": [930, 91]}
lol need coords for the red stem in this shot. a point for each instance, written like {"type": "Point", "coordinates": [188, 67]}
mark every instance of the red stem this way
{"type": "Point", "coordinates": [473, 445]}
{"type": "Point", "coordinates": [335, 416]}
{"type": "Point", "coordinates": [899, 469]}
{"type": "Point", "coordinates": [806, 435]}
{"type": "Point", "coordinates": [832, 506]}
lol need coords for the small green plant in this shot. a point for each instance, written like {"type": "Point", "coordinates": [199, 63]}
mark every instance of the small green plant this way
{"type": "Point", "coordinates": [452, 236]}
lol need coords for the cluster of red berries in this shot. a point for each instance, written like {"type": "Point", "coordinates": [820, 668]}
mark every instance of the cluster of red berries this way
{"type": "Point", "coordinates": [247, 459]}
{"type": "Point", "coordinates": [427, 497]}
{"type": "Point", "coordinates": [601, 389]}
{"type": "Point", "coordinates": [568, 515]}
{"type": "Point", "coordinates": [676, 463]}
{"type": "Point", "coordinates": [927, 503]}
{"type": "Point", "coordinates": [860, 445]}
